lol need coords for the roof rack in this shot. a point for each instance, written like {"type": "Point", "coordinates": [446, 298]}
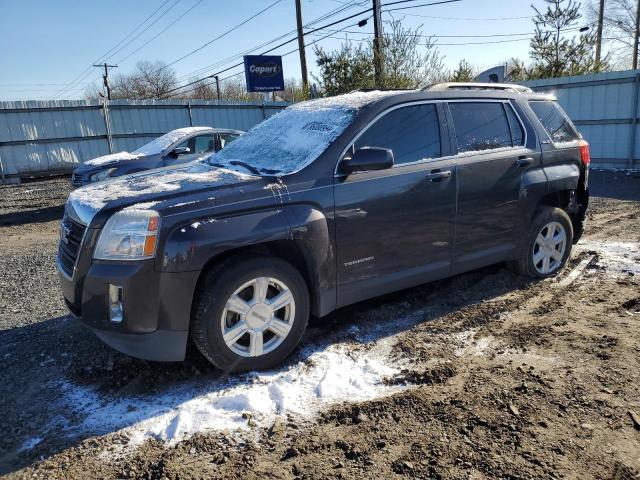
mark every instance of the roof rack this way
{"type": "Point", "coordinates": [506, 87]}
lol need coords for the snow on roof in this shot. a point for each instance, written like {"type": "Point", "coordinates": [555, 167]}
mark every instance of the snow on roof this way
{"type": "Point", "coordinates": [95, 196]}
{"type": "Point", "coordinates": [161, 143]}
{"type": "Point", "coordinates": [295, 137]}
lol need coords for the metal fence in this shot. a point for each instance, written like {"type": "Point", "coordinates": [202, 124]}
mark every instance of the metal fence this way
{"type": "Point", "coordinates": [604, 107]}
{"type": "Point", "coordinates": [51, 137]}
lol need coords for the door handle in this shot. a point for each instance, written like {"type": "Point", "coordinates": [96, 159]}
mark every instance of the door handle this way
{"type": "Point", "coordinates": [524, 161]}
{"type": "Point", "coordinates": [438, 175]}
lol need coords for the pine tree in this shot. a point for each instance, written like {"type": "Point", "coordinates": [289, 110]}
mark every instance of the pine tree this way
{"type": "Point", "coordinates": [554, 50]}
{"type": "Point", "coordinates": [462, 73]}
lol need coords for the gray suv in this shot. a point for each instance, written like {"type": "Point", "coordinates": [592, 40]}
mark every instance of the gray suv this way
{"type": "Point", "coordinates": [327, 203]}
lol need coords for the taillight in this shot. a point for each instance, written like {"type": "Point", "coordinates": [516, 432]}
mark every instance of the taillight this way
{"type": "Point", "coordinates": [585, 156]}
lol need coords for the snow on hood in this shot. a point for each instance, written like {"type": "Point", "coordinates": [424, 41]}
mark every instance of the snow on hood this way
{"type": "Point", "coordinates": [95, 196]}
{"type": "Point", "coordinates": [292, 139]}
{"type": "Point", "coordinates": [114, 157]}
{"type": "Point", "coordinates": [165, 141]}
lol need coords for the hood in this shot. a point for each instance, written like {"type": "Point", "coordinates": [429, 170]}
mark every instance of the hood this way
{"type": "Point", "coordinates": [152, 187]}
{"type": "Point", "coordinates": [108, 160]}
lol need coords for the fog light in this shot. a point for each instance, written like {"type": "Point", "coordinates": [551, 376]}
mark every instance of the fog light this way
{"type": "Point", "coordinates": [115, 303]}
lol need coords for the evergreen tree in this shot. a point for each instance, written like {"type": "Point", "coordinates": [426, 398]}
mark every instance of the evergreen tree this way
{"type": "Point", "coordinates": [555, 50]}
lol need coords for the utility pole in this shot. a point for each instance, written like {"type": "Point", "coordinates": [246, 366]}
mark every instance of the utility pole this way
{"type": "Point", "coordinates": [635, 37]}
{"type": "Point", "coordinates": [217, 86]}
{"type": "Point", "coordinates": [377, 43]}
{"type": "Point", "coordinates": [599, 34]}
{"type": "Point", "coordinates": [105, 77]}
{"type": "Point", "coordinates": [303, 56]}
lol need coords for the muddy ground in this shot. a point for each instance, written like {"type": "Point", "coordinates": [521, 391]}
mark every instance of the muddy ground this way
{"type": "Point", "coordinates": [501, 377]}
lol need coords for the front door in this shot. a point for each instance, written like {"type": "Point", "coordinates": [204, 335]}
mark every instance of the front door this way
{"type": "Point", "coordinates": [394, 227]}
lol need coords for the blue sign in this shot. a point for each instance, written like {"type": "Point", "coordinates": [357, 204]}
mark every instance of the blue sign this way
{"type": "Point", "coordinates": [263, 73]}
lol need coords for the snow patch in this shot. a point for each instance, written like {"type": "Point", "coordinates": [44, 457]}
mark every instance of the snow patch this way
{"type": "Point", "coordinates": [616, 257]}
{"type": "Point", "coordinates": [340, 372]}
{"type": "Point", "coordinates": [30, 443]}
{"type": "Point", "coordinates": [165, 141]}
{"type": "Point", "coordinates": [114, 157]}
{"type": "Point", "coordinates": [141, 206]}
{"type": "Point", "coordinates": [96, 196]}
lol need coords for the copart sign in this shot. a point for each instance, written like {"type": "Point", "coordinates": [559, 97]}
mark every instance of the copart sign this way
{"type": "Point", "coordinates": [263, 73]}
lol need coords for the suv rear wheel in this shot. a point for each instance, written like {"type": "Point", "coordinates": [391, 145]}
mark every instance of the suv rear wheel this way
{"type": "Point", "coordinates": [250, 314]}
{"type": "Point", "coordinates": [548, 244]}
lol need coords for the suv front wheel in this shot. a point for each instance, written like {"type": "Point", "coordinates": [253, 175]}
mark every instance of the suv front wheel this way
{"type": "Point", "coordinates": [548, 244]}
{"type": "Point", "coordinates": [250, 314]}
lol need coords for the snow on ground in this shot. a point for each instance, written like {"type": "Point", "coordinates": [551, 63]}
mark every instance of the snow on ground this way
{"type": "Point", "coordinates": [339, 372]}
{"type": "Point", "coordinates": [620, 258]}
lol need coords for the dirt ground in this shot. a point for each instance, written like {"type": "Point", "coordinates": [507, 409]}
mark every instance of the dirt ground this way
{"type": "Point", "coordinates": [501, 377]}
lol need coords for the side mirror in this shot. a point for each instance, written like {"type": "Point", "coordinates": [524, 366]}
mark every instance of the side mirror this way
{"type": "Point", "coordinates": [180, 151]}
{"type": "Point", "coordinates": [367, 159]}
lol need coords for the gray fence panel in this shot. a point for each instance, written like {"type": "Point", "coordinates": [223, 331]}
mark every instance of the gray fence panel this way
{"type": "Point", "coordinates": [605, 107]}
{"type": "Point", "coordinates": [41, 138]}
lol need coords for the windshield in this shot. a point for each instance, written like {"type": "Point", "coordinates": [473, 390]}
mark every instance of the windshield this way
{"type": "Point", "coordinates": [288, 141]}
{"type": "Point", "coordinates": [165, 141]}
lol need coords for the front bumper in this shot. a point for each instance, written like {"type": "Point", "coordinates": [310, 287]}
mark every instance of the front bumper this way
{"type": "Point", "coordinates": [156, 306]}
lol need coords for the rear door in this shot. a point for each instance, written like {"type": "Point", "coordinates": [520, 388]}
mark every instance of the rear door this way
{"type": "Point", "coordinates": [394, 227]}
{"type": "Point", "coordinates": [492, 155]}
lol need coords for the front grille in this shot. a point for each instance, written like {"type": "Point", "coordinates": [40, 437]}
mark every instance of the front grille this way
{"type": "Point", "coordinates": [71, 234]}
{"type": "Point", "coordinates": [76, 179]}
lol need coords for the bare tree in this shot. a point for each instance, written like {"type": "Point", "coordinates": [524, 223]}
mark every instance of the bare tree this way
{"type": "Point", "coordinates": [148, 80]}
{"type": "Point", "coordinates": [618, 28]}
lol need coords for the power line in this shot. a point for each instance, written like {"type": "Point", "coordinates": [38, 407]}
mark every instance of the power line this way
{"type": "Point", "coordinates": [171, 24]}
{"type": "Point", "coordinates": [325, 16]}
{"type": "Point", "coordinates": [239, 73]}
{"type": "Point", "coordinates": [441, 2]}
{"type": "Point", "coordinates": [267, 51]}
{"type": "Point", "coordinates": [221, 35]}
{"type": "Point", "coordinates": [90, 67]}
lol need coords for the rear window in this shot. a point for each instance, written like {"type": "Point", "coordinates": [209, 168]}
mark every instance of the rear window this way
{"type": "Point", "coordinates": [480, 126]}
{"type": "Point", "coordinates": [554, 121]}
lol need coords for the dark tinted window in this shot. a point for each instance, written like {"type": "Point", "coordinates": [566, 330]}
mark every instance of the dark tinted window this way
{"type": "Point", "coordinates": [517, 133]}
{"type": "Point", "coordinates": [412, 133]}
{"type": "Point", "coordinates": [554, 121]}
{"type": "Point", "coordinates": [480, 125]}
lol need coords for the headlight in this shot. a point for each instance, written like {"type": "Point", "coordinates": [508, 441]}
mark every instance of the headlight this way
{"type": "Point", "coordinates": [101, 175]}
{"type": "Point", "coordinates": [129, 235]}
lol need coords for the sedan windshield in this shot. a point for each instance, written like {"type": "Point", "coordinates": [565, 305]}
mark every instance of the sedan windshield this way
{"type": "Point", "coordinates": [288, 141]}
{"type": "Point", "coordinates": [160, 144]}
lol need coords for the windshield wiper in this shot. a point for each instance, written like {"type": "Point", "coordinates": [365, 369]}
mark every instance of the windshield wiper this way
{"type": "Point", "coordinates": [251, 168]}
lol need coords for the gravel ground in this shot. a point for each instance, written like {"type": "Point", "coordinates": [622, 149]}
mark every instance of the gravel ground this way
{"type": "Point", "coordinates": [502, 377]}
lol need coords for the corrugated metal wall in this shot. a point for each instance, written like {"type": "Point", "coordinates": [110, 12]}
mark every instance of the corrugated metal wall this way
{"type": "Point", "coordinates": [47, 137]}
{"type": "Point", "coordinates": [605, 108]}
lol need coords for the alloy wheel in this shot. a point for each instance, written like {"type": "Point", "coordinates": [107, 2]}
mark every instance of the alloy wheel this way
{"type": "Point", "coordinates": [258, 317]}
{"type": "Point", "coordinates": [549, 248]}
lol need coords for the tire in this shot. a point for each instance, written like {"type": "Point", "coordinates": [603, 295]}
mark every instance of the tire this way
{"type": "Point", "coordinates": [230, 304]}
{"type": "Point", "coordinates": [550, 223]}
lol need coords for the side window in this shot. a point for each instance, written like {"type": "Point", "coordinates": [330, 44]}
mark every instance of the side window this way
{"type": "Point", "coordinates": [517, 133]}
{"type": "Point", "coordinates": [204, 143]}
{"type": "Point", "coordinates": [480, 125]}
{"type": "Point", "coordinates": [226, 138]}
{"type": "Point", "coordinates": [412, 133]}
{"type": "Point", "coordinates": [554, 121]}
{"type": "Point", "coordinates": [186, 144]}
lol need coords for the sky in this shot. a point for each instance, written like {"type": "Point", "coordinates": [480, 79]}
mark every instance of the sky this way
{"type": "Point", "coordinates": [47, 47]}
